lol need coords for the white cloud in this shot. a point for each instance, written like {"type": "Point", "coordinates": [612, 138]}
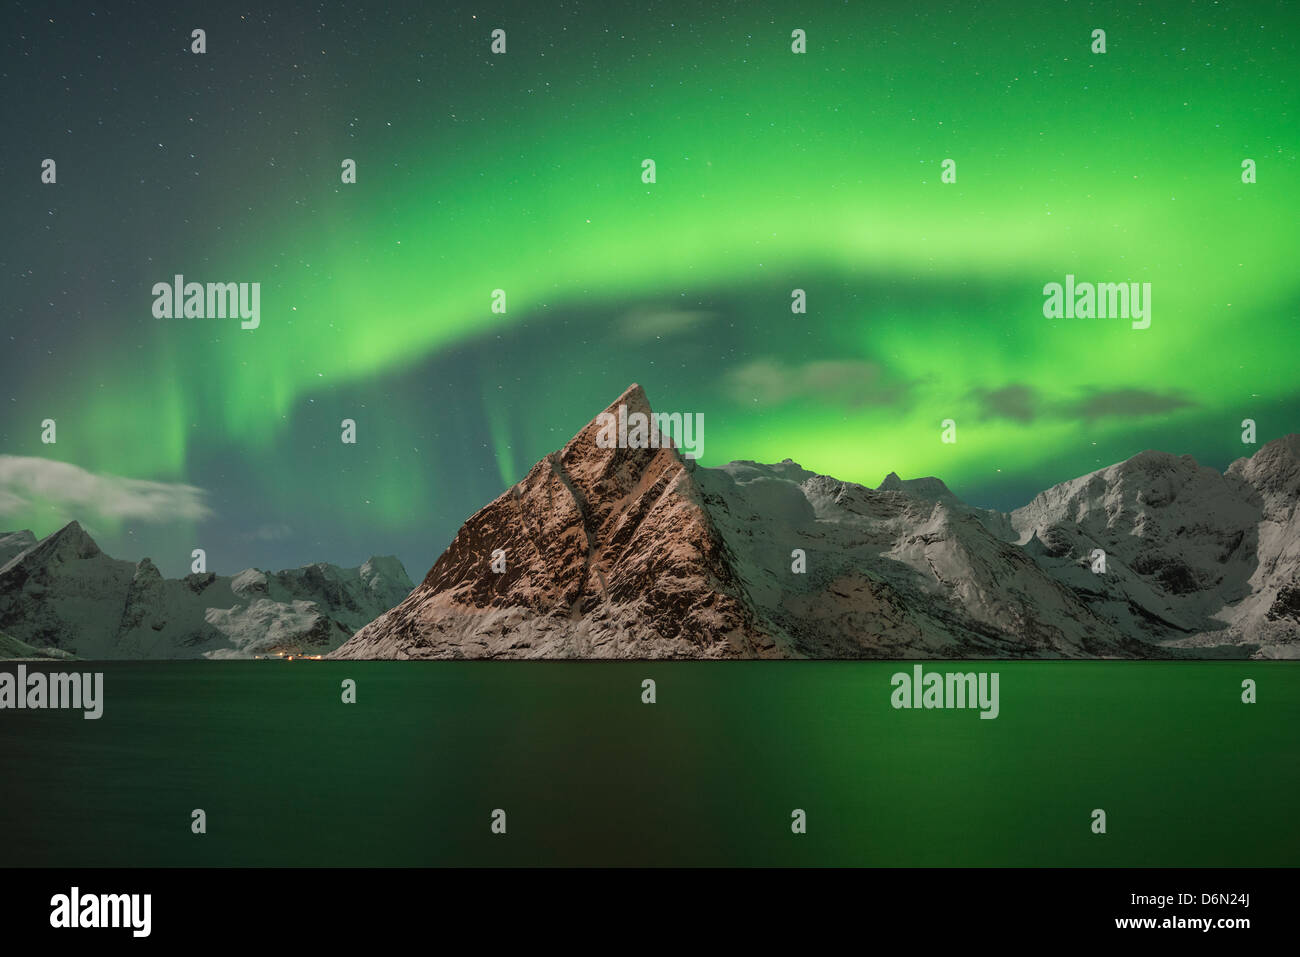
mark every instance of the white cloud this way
{"type": "Point", "coordinates": [849, 382]}
{"type": "Point", "coordinates": [642, 325]}
{"type": "Point", "coordinates": [28, 483]}
{"type": "Point", "coordinates": [269, 533]}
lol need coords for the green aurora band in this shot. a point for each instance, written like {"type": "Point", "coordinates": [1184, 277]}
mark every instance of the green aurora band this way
{"type": "Point", "coordinates": [774, 171]}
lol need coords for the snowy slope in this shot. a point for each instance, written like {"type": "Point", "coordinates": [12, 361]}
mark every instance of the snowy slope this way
{"type": "Point", "coordinates": [66, 593]}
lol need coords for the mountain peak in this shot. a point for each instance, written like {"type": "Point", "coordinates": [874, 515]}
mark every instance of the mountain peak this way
{"type": "Point", "coordinates": [1152, 460]}
{"type": "Point", "coordinates": [928, 488]}
{"type": "Point", "coordinates": [1274, 471]}
{"type": "Point", "coordinates": [70, 543]}
{"type": "Point", "coordinates": [147, 571]}
{"type": "Point", "coordinates": [599, 550]}
{"type": "Point", "coordinates": [387, 568]}
{"type": "Point", "coordinates": [633, 395]}
{"type": "Point", "coordinates": [633, 399]}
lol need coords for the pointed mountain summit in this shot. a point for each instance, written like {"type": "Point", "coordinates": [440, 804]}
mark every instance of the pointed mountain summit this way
{"type": "Point", "coordinates": [596, 552]}
{"type": "Point", "coordinates": [68, 544]}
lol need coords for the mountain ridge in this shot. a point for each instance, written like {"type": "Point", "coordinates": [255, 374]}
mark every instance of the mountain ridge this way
{"type": "Point", "coordinates": [63, 595]}
{"type": "Point", "coordinates": [641, 553]}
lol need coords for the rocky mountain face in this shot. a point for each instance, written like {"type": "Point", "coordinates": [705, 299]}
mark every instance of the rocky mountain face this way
{"type": "Point", "coordinates": [638, 553]}
{"type": "Point", "coordinates": [62, 594]}
{"type": "Point", "coordinates": [601, 553]}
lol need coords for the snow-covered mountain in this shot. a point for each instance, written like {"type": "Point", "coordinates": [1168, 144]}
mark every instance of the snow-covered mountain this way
{"type": "Point", "coordinates": [1195, 560]}
{"type": "Point", "coordinates": [64, 593]}
{"type": "Point", "coordinates": [638, 553]}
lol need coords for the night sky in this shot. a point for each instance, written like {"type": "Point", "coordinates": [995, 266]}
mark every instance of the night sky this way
{"type": "Point", "coordinates": [523, 172]}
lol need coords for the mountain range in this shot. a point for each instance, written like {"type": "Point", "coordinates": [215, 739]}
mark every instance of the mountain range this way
{"type": "Point", "coordinates": [63, 596]}
{"type": "Point", "coordinates": [640, 553]}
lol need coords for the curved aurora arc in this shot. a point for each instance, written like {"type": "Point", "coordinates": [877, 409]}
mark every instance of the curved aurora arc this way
{"type": "Point", "coordinates": [774, 172]}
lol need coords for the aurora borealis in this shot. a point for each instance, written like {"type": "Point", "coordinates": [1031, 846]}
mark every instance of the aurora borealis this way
{"type": "Point", "coordinates": [522, 172]}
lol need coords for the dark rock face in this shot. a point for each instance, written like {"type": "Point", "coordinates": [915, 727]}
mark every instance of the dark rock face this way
{"type": "Point", "coordinates": [595, 553]}
{"type": "Point", "coordinates": [1173, 575]}
{"type": "Point", "coordinates": [1287, 603]}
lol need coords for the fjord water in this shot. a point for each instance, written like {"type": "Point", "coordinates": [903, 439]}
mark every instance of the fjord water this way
{"type": "Point", "coordinates": [287, 774]}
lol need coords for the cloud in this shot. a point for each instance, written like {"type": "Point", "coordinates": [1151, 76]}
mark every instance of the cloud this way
{"type": "Point", "coordinates": [269, 533]}
{"type": "Point", "coordinates": [851, 382]}
{"type": "Point", "coordinates": [643, 325]}
{"type": "Point", "coordinates": [1018, 402]}
{"type": "Point", "coordinates": [1022, 403]}
{"type": "Point", "coordinates": [1125, 403]}
{"type": "Point", "coordinates": [28, 483]}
